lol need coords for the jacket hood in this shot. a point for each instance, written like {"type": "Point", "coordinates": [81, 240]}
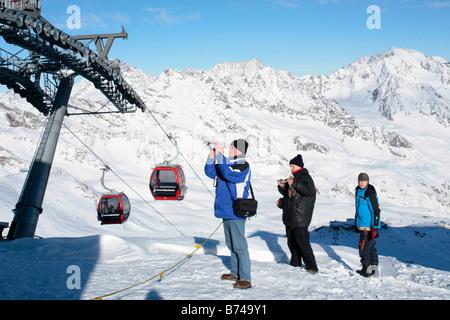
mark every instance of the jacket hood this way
{"type": "Point", "coordinates": [369, 188]}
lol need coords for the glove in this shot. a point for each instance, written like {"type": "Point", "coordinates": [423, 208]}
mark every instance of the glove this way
{"type": "Point", "coordinates": [373, 233]}
{"type": "Point", "coordinates": [280, 203]}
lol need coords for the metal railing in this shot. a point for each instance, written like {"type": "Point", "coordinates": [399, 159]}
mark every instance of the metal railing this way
{"type": "Point", "coordinates": [21, 4]}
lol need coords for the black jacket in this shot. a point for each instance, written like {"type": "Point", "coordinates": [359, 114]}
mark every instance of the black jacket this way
{"type": "Point", "coordinates": [300, 205]}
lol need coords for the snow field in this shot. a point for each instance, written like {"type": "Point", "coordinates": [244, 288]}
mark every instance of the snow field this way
{"type": "Point", "coordinates": [414, 260]}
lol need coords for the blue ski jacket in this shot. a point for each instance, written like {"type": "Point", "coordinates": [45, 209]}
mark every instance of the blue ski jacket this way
{"type": "Point", "coordinates": [233, 182]}
{"type": "Point", "coordinates": [367, 208]}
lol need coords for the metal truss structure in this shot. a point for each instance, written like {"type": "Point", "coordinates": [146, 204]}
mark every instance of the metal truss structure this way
{"type": "Point", "coordinates": [43, 73]}
{"type": "Point", "coordinates": [55, 54]}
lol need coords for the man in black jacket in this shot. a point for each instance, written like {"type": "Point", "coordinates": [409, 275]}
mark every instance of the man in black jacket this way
{"type": "Point", "coordinates": [301, 192]}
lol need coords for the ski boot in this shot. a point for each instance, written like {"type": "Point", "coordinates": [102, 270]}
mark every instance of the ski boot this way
{"type": "Point", "coordinates": [373, 268]}
{"type": "Point", "coordinates": [366, 271]}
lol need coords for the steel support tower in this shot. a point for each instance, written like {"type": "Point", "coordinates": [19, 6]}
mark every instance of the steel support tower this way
{"type": "Point", "coordinates": [45, 78]}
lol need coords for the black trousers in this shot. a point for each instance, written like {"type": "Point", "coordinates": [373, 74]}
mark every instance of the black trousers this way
{"type": "Point", "coordinates": [367, 250]}
{"type": "Point", "coordinates": [300, 247]}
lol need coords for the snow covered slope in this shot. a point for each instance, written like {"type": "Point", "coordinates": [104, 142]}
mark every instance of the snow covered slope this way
{"type": "Point", "coordinates": [386, 115]}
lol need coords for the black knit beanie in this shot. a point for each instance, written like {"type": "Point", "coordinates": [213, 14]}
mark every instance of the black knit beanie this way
{"type": "Point", "coordinates": [241, 145]}
{"type": "Point", "coordinates": [363, 177]}
{"type": "Point", "coordinates": [298, 160]}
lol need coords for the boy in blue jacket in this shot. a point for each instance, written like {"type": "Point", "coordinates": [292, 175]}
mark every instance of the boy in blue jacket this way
{"type": "Point", "coordinates": [233, 180]}
{"type": "Point", "coordinates": [367, 223]}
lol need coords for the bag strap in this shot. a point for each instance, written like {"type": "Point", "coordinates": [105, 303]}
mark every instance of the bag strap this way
{"type": "Point", "coordinates": [251, 190]}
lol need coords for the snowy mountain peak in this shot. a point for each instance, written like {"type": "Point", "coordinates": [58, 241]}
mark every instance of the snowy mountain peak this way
{"type": "Point", "coordinates": [394, 82]}
{"type": "Point", "coordinates": [246, 68]}
{"type": "Point", "coordinates": [402, 53]}
{"type": "Point", "coordinates": [402, 61]}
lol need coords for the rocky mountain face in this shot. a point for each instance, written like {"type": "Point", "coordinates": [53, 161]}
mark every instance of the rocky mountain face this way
{"type": "Point", "coordinates": [385, 114]}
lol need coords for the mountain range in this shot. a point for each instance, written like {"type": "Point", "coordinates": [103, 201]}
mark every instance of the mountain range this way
{"type": "Point", "coordinates": [387, 115]}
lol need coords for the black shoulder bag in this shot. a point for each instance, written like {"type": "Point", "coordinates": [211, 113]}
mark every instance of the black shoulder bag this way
{"type": "Point", "coordinates": [244, 208]}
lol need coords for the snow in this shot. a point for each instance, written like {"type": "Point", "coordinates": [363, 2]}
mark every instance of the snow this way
{"type": "Point", "coordinates": [160, 262]}
{"type": "Point", "coordinates": [414, 264]}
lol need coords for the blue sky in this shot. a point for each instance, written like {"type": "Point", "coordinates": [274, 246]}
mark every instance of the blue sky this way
{"type": "Point", "coordinates": [316, 36]}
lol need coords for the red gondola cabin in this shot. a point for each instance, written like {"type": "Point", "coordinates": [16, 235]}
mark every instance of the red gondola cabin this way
{"type": "Point", "coordinates": [168, 183]}
{"type": "Point", "coordinates": [113, 208]}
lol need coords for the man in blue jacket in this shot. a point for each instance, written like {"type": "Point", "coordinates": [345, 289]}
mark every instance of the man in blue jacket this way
{"type": "Point", "coordinates": [233, 180]}
{"type": "Point", "coordinates": [367, 223]}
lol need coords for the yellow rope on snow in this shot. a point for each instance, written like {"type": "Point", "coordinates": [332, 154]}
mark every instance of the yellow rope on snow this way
{"type": "Point", "coordinates": [160, 275]}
